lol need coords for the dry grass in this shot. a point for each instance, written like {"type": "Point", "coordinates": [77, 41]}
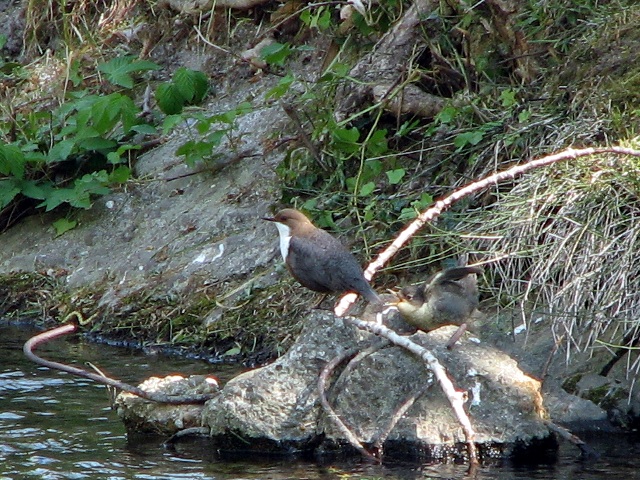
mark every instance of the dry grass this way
{"type": "Point", "coordinates": [565, 243]}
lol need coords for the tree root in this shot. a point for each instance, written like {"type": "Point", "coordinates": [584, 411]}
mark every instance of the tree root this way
{"type": "Point", "coordinates": [57, 332]}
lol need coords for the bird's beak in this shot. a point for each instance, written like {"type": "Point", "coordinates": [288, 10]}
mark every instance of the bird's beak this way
{"type": "Point", "coordinates": [269, 219]}
{"type": "Point", "coordinates": [398, 298]}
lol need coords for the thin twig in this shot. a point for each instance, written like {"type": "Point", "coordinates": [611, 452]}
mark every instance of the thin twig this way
{"type": "Point", "coordinates": [322, 386]}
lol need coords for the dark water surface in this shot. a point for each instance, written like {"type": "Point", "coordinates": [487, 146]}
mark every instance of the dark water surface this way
{"type": "Point", "coordinates": [55, 426]}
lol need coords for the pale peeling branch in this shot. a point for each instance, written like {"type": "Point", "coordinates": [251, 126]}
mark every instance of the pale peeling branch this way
{"type": "Point", "coordinates": [456, 398]}
{"type": "Point", "coordinates": [444, 204]}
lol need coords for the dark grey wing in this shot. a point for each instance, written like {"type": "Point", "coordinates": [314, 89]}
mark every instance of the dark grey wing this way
{"type": "Point", "coordinates": [306, 264]}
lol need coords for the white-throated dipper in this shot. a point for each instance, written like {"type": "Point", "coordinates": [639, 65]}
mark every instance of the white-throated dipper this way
{"type": "Point", "coordinates": [450, 297]}
{"type": "Point", "coordinates": [318, 260]}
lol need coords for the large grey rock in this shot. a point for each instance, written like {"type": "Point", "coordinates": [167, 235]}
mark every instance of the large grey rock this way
{"type": "Point", "coordinates": [277, 407]}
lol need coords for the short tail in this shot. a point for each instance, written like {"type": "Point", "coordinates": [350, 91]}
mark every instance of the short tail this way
{"type": "Point", "coordinates": [455, 273]}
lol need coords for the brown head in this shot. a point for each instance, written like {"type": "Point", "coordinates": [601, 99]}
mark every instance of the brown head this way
{"type": "Point", "coordinates": [296, 221]}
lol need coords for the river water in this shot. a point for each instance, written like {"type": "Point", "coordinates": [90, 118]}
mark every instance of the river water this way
{"type": "Point", "coordinates": [56, 426]}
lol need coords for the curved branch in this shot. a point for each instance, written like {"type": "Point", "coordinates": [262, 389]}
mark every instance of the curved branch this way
{"type": "Point", "coordinates": [444, 204]}
{"type": "Point", "coordinates": [44, 337]}
{"type": "Point", "coordinates": [322, 387]}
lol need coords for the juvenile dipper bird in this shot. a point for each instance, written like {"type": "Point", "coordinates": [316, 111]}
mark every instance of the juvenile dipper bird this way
{"type": "Point", "coordinates": [450, 297]}
{"type": "Point", "coordinates": [318, 260]}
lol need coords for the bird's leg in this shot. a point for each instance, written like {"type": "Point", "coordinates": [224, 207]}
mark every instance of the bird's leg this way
{"type": "Point", "coordinates": [316, 306]}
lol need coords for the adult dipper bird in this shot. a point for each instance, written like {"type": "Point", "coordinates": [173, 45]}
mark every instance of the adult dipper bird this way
{"type": "Point", "coordinates": [318, 260]}
{"type": "Point", "coordinates": [450, 297]}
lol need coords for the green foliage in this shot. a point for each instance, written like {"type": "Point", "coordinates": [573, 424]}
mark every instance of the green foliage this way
{"type": "Point", "coordinates": [212, 130]}
{"type": "Point", "coordinates": [71, 153]}
{"type": "Point", "coordinates": [276, 53]}
{"type": "Point", "coordinates": [119, 70]}
{"type": "Point", "coordinates": [63, 225]}
{"type": "Point", "coordinates": [319, 18]}
{"type": "Point", "coordinates": [187, 87]}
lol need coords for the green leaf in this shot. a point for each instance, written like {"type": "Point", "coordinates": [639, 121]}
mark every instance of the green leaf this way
{"type": "Point", "coordinates": [118, 70]}
{"type": "Point", "coordinates": [324, 20]}
{"type": "Point", "coordinates": [97, 144]}
{"type": "Point", "coordinates": [232, 351]}
{"type": "Point", "coordinates": [108, 111]}
{"type": "Point", "coordinates": [508, 98]}
{"type": "Point", "coordinates": [61, 151]}
{"type": "Point", "coordinates": [367, 189]}
{"type": "Point", "coordinates": [282, 86]}
{"type": "Point", "coordinates": [372, 168]}
{"type": "Point", "coordinates": [191, 84]}
{"type": "Point", "coordinates": [524, 115]}
{"type": "Point", "coordinates": [447, 114]}
{"type": "Point", "coordinates": [8, 191]}
{"type": "Point", "coordinates": [170, 122]}
{"type": "Point", "coordinates": [56, 197]}
{"type": "Point", "coordinates": [11, 161]}
{"type": "Point", "coordinates": [276, 53]}
{"type": "Point", "coordinates": [144, 129]}
{"type": "Point", "coordinates": [63, 225]}
{"type": "Point", "coordinates": [116, 157]}
{"type": "Point", "coordinates": [194, 151]}
{"type": "Point", "coordinates": [120, 175]}
{"type": "Point", "coordinates": [395, 176]}
{"type": "Point", "coordinates": [31, 189]}
{"type": "Point", "coordinates": [346, 139]}
{"type": "Point", "coordinates": [468, 138]}
{"type": "Point", "coordinates": [169, 98]}
{"type": "Point", "coordinates": [377, 144]}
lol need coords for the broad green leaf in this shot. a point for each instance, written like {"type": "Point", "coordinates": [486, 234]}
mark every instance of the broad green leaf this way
{"type": "Point", "coordinates": [118, 70]}
{"type": "Point", "coordinates": [97, 144]}
{"type": "Point", "coordinates": [31, 189]}
{"type": "Point", "coordinates": [61, 151]}
{"type": "Point", "coordinates": [192, 84]}
{"type": "Point", "coordinates": [169, 99]}
{"type": "Point", "coordinates": [145, 129]}
{"type": "Point", "coordinates": [8, 191]}
{"type": "Point", "coordinates": [56, 197]}
{"type": "Point", "coordinates": [395, 176]}
{"type": "Point", "coordinates": [63, 225]}
{"type": "Point", "coordinates": [170, 122]}
{"type": "Point", "coordinates": [377, 144]}
{"type": "Point", "coordinates": [508, 98]}
{"type": "Point", "coordinates": [120, 175]}
{"type": "Point", "coordinates": [345, 139]}
{"type": "Point", "coordinates": [194, 151]}
{"type": "Point", "coordinates": [367, 189]}
{"type": "Point", "coordinates": [466, 138]}
{"type": "Point", "coordinates": [276, 53]}
{"type": "Point", "coordinates": [11, 161]}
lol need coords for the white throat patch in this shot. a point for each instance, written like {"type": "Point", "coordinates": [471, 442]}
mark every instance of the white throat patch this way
{"type": "Point", "coordinates": [285, 239]}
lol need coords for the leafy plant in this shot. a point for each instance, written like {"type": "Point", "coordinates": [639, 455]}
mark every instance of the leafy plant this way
{"type": "Point", "coordinates": [74, 152]}
{"type": "Point", "coordinates": [119, 70]}
{"type": "Point", "coordinates": [187, 87]}
{"type": "Point", "coordinates": [212, 130]}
